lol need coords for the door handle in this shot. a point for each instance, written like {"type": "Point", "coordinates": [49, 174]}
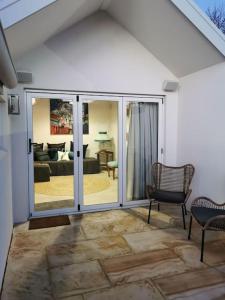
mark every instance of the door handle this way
{"type": "Point", "coordinates": [30, 144]}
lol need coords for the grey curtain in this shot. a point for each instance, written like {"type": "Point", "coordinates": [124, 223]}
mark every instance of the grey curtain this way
{"type": "Point", "coordinates": [142, 148]}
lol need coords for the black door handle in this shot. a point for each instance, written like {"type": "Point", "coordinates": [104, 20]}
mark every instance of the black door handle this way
{"type": "Point", "coordinates": [30, 144]}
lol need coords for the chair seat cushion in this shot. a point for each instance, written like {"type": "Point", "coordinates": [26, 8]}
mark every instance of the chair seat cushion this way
{"type": "Point", "coordinates": [112, 164]}
{"type": "Point", "coordinates": [167, 196]}
{"type": "Point", "coordinates": [203, 214]}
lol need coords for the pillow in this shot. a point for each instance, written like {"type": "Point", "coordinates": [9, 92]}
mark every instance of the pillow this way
{"type": "Point", "coordinates": [63, 155]}
{"type": "Point", "coordinates": [71, 155]}
{"type": "Point", "coordinates": [59, 147]}
{"type": "Point", "coordinates": [53, 154]}
{"type": "Point", "coordinates": [38, 147]}
{"type": "Point", "coordinates": [71, 146]}
{"type": "Point", "coordinates": [42, 156]}
{"type": "Point", "coordinates": [84, 150]}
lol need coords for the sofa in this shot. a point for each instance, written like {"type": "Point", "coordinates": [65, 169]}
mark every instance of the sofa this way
{"type": "Point", "coordinates": [62, 168]}
{"type": "Point", "coordinates": [46, 162]}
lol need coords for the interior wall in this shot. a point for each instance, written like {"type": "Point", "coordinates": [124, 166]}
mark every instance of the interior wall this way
{"type": "Point", "coordinates": [201, 123]}
{"type": "Point", "coordinates": [102, 117]}
{"type": "Point", "coordinates": [6, 216]}
{"type": "Point", "coordinates": [95, 55]}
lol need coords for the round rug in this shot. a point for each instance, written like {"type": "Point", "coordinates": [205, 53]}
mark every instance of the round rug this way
{"type": "Point", "coordinates": [63, 185]}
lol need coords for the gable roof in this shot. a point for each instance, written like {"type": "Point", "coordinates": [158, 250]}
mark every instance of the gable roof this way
{"type": "Point", "coordinates": [174, 31]}
{"type": "Point", "coordinates": [169, 34]}
{"type": "Point", "coordinates": [34, 30]}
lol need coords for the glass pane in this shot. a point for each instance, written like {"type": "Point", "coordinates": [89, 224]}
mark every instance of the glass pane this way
{"type": "Point", "coordinates": [215, 10]}
{"type": "Point", "coordinates": [52, 154]}
{"type": "Point", "coordinates": [142, 147]}
{"type": "Point", "coordinates": [100, 152]}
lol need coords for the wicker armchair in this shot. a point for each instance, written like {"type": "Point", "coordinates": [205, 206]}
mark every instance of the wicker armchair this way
{"type": "Point", "coordinates": [170, 185]}
{"type": "Point", "coordinates": [209, 215]}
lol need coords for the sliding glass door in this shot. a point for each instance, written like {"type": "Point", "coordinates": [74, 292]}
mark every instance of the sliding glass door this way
{"type": "Point", "coordinates": [101, 133]}
{"type": "Point", "coordinates": [53, 169]}
{"type": "Point", "coordinates": [89, 152]}
{"type": "Point", "coordinates": [143, 135]}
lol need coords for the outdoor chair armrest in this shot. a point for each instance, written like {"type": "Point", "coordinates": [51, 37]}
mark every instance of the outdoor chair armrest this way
{"type": "Point", "coordinates": [216, 223]}
{"type": "Point", "coordinates": [188, 195]}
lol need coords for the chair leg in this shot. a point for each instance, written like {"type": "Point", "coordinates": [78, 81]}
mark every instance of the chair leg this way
{"type": "Point", "coordinates": [149, 212]}
{"type": "Point", "coordinates": [185, 209]}
{"type": "Point", "coordinates": [158, 207]}
{"type": "Point", "coordinates": [202, 246]}
{"type": "Point", "coordinates": [108, 171]}
{"type": "Point", "coordinates": [190, 225]}
{"type": "Point", "coordinates": [183, 215]}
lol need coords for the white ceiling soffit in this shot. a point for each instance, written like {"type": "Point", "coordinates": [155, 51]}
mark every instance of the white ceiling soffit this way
{"type": "Point", "coordinates": [39, 27]}
{"type": "Point", "coordinates": [193, 12]}
{"type": "Point", "coordinates": [13, 11]}
{"type": "Point", "coordinates": [167, 33]}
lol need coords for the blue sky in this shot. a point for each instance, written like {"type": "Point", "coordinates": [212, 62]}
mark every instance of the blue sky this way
{"type": "Point", "coordinates": [204, 4]}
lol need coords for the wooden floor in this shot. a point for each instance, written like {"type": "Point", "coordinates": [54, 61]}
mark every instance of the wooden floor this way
{"type": "Point", "coordinates": [115, 255]}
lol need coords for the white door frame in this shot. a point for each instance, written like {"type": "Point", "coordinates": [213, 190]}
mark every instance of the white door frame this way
{"type": "Point", "coordinates": [110, 98]}
{"type": "Point", "coordinates": [127, 100]}
{"type": "Point", "coordinates": [69, 97]}
{"type": "Point", "coordinates": [78, 142]}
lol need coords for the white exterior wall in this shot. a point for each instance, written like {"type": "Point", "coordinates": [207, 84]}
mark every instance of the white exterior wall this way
{"type": "Point", "coordinates": [6, 220]}
{"type": "Point", "coordinates": [95, 55]}
{"type": "Point", "coordinates": [201, 133]}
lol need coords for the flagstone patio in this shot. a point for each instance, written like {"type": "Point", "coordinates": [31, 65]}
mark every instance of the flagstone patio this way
{"type": "Point", "coordinates": [115, 255]}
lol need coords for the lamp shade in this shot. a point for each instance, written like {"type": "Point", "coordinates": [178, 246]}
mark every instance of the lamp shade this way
{"type": "Point", "coordinates": [102, 137]}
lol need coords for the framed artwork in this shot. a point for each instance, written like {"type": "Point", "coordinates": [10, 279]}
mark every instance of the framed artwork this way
{"type": "Point", "coordinates": [61, 117]}
{"type": "Point", "coordinates": [13, 105]}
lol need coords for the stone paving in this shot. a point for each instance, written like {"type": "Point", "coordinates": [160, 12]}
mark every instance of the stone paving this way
{"type": "Point", "coordinates": [115, 255]}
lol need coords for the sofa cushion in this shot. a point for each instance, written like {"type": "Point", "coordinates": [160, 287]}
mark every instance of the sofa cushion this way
{"type": "Point", "coordinates": [58, 147]}
{"type": "Point", "coordinates": [53, 154]}
{"type": "Point", "coordinates": [71, 155]}
{"type": "Point", "coordinates": [63, 155]}
{"type": "Point", "coordinates": [84, 149]}
{"type": "Point", "coordinates": [203, 214]}
{"type": "Point", "coordinates": [42, 156]}
{"type": "Point", "coordinates": [37, 147]}
{"type": "Point", "coordinates": [167, 196]}
{"type": "Point", "coordinates": [112, 164]}
{"type": "Point", "coordinates": [61, 168]}
{"type": "Point", "coordinates": [71, 146]}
